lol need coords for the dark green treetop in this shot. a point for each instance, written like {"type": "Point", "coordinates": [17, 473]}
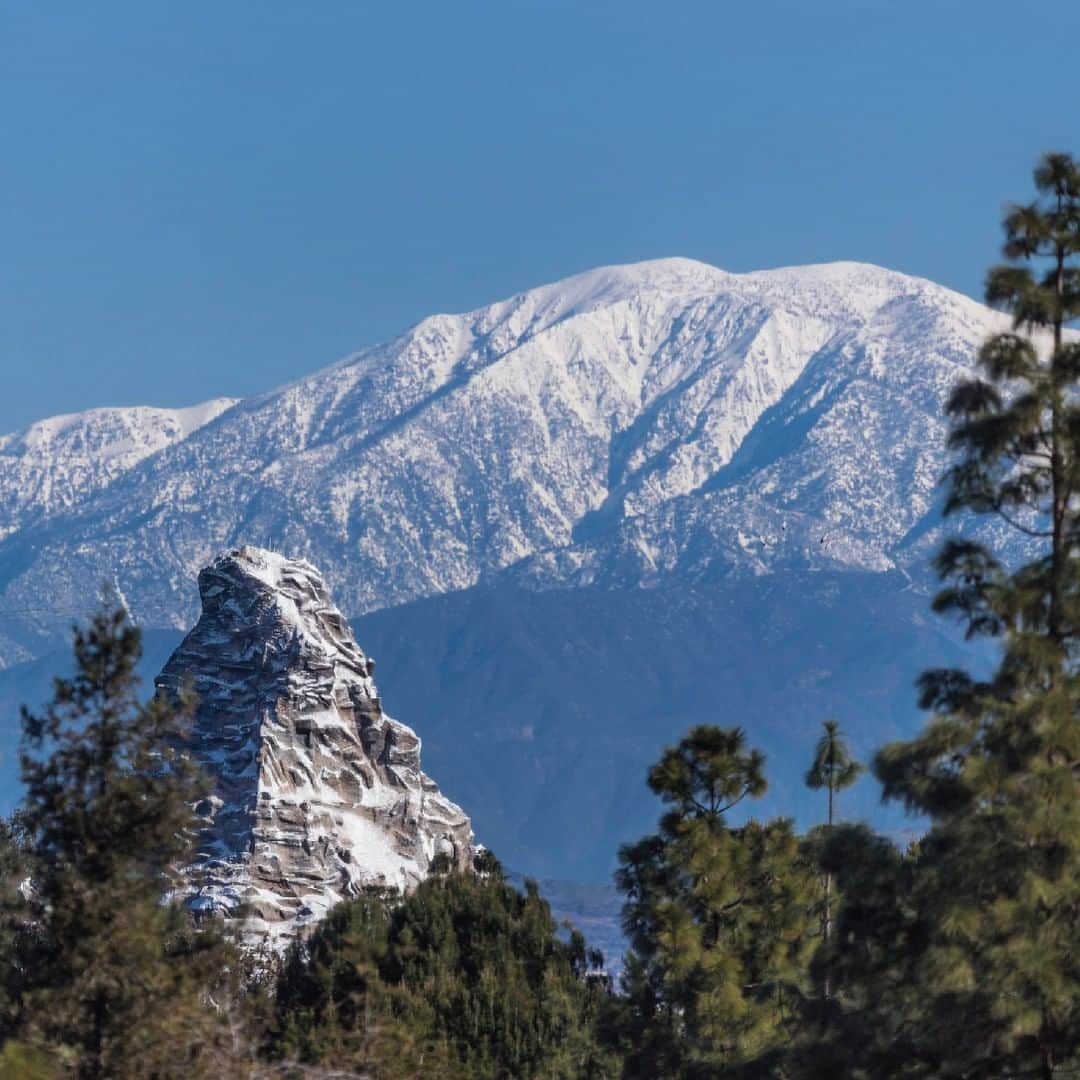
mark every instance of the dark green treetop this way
{"type": "Point", "coordinates": [709, 772]}
{"type": "Point", "coordinates": [719, 917]}
{"type": "Point", "coordinates": [464, 977]}
{"type": "Point", "coordinates": [834, 769]}
{"type": "Point", "coordinates": [1016, 432]}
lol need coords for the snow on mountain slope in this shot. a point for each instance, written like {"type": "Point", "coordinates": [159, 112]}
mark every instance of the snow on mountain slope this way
{"type": "Point", "coordinates": [634, 421]}
{"type": "Point", "coordinates": [54, 464]}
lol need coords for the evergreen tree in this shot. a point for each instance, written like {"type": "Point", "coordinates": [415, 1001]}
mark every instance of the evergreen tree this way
{"type": "Point", "coordinates": [875, 1012]}
{"type": "Point", "coordinates": [16, 925]}
{"type": "Point", "coordinates": [332, 1006]}
{"type": "Point", "coordinates": [110, 981]}
{"type": "Point", "coordinates": [834, 769]}
{"type": "Point", "coordinates": [719, 919]}
{"type": "Point", "coordinates": [996, 768]}
{"type": "Point", "coordinates": [463, 977]}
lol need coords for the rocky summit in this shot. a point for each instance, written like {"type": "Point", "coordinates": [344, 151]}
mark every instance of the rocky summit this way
{"type": "Point", "coordinates": [316, 791]}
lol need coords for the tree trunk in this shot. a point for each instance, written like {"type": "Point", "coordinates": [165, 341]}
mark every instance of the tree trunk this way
{"type": "Point", "coordinates": [1056, 626]}
{"type": "Point", "coordinates": [828, 889]}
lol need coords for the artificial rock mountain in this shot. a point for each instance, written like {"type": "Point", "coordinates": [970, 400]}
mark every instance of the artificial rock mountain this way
{"type": "Point", "coordinates": [570, 524]}
{"type": "Point", "coordinates": [316, 791]}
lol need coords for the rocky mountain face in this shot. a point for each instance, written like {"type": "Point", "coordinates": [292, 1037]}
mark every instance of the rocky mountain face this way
{"type": "Point", "coordinates": [317, 792]}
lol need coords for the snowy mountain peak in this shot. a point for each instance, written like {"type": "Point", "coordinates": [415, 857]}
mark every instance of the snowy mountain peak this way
{"type": "Point", "coordinates": [620, 282]}
{"type": "Point", "coordinates": [628, 423]}
{"type": "Point", "coordinates": [55, 463]}
{"type": "Point", "coordinates": [844, 285]}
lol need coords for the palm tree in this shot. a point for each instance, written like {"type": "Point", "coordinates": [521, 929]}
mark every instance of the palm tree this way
{"type": "Point", "coordinates": [834, 769]}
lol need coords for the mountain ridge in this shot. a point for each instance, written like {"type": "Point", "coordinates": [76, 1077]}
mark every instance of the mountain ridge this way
{"type": "Point", "coordinates": [116, 438]}
{"type": "Point", "coordinates": [573, 523]}
{"type": "Point", "coordinates": [596, 429]}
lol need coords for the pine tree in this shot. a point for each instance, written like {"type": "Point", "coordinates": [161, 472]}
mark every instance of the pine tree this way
{"type": "Point", "coordinates": [875, 1014]}
{"type": "Point", "coordinates": [16, 926]}
{"type": "Point", "coordinates": [113, 981]}
{"type": "Point", "coordinates": [834, 769]}
{"type": "Point", "coordinates": [465, 977]}
{"type": "Point", "coordinates": [997, 767]}
{"type": "Point", "coordinates": [719, 919]}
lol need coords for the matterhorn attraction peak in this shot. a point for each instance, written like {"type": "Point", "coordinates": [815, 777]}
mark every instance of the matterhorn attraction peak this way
{"type": "Point", "coordinates": [316, 792]}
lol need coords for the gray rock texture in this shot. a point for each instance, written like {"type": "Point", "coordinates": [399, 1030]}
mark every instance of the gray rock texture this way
{"type": "Point", "coordinates": [316, 791]}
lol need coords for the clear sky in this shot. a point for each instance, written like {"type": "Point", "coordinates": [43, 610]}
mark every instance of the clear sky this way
{"type": "Point", "coordinates": [208, 198]}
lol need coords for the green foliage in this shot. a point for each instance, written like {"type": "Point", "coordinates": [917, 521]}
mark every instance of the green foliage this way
{"type": "Point", "coordinates": [103, 978]}
{"type": "Point", "coordinates": [708, 773]}
{"type": "Point", "coordinates": [867, 1026]}
{"type": "Point", "coordinates": [18, 1060]}
{"type": "Point", "coordinates": [720, 919]}
{"type": "Point", "coordinates": [833, 767]}
{"type": "Point", "coordinates": [16, 927]}
{"type": "Point", "coordinates": [1016, 429]}
{"type": "Point", "coordinates": [463, 977]}
{"type": "Point", "coordinates": [996, 769]}
{"type": "Point", "coordinates": [108, 791]}
{"type": "Point", "coordinates": [485, 863]}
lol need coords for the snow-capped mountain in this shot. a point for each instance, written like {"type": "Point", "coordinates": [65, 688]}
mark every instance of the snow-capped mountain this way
{"type": "Point", "coordinates": [54, 464]}
{"type": "Point", "coordinates": [570, 525]}
{"type": "Point", "coordinates": [620, 426]}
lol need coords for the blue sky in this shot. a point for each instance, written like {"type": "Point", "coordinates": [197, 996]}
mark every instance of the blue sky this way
{"type": "Point", "coordinates": [214, 198]}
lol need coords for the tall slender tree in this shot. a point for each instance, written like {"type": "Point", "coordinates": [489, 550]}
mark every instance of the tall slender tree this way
{"type": "Point", "coordinates": [833, 769]}
{"type": "Point", "coordinates": [998, 767]}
